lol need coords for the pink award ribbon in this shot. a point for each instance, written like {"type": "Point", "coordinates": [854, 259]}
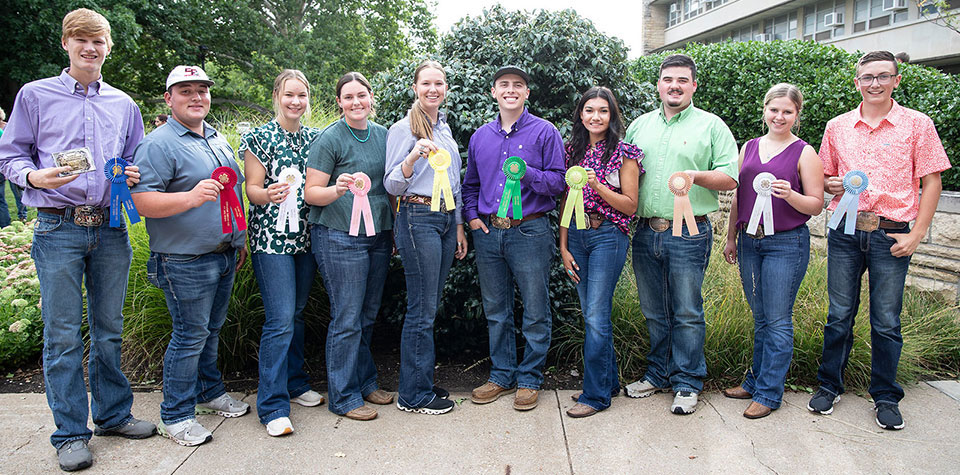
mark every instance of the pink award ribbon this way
{"type": "Point", "coordinates": [229, 203]}
{"type": "Point", "coordinates": [361, 205]}
{"type": "Point", "coordinates": [289, 214]}
{"type": "Point", "coordinates": [679, 184]}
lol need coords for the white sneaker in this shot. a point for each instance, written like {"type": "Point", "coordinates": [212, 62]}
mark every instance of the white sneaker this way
{"type": "Point", "coordinates": [309, 399]}
{"type": "Point", "coordinates": [684, 402]}
{"type": "Point", "coordinates": [279, 426]}
{"type": "Point", "coordinates": [187, 433]}
{"type": "Point", "coordinates": [642, 388]}
{"type": "Point", "coordinates": [225, 405]}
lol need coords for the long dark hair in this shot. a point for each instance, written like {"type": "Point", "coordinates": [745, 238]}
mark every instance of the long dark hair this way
{"type": "Point", "coordinates": [580, 139]}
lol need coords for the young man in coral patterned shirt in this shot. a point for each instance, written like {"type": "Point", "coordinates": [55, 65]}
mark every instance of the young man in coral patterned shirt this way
{"type": "Point", "coordinates": [897, 148]}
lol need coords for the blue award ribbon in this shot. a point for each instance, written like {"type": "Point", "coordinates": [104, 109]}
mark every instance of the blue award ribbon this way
{"type": "Point", "coordinates": [119, 193]}
{"type": "Point", "coordinates": [854, 183]}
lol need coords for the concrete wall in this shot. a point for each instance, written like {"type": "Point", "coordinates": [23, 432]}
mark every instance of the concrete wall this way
{"type": "Point", "coordinates": [935, 266]}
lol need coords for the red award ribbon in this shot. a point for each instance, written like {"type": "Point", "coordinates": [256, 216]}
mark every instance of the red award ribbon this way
{"type": "Point", "coordinates": [229, 203]}
{"type": "Point", "coordinates": [679, 184]}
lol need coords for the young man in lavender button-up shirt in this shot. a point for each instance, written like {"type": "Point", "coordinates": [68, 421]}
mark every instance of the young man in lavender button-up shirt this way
{"type": "Point", "coordinates": [508, 249]}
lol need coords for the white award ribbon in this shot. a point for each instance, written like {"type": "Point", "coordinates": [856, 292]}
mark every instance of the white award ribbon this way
{"type": "Point", "coordinates": [289, 209]}
{"type": "Point", "coordinates": [763, 185]}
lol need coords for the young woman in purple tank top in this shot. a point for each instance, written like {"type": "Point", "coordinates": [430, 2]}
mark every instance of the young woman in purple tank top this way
{"type": "Point", "coordinates": [773, 256]}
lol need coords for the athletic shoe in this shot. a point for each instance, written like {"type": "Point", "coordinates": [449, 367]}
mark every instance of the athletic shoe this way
{"type": "Point", "coordinates": [684, 402]}
{"type": "Point", "coordinates": [225, 405]}
{"type": "Point", "coordinates": [187, 433]}
{"type": "Point", "coordinates": [436, 407]}
{"type": "Point", "coordinates": [642, 388]}
{"type": "Point", "coordinates": [888, 416]}
{"type": "Point", "coordinates": [74, 455]}
{"type": "Point", "coordinates": [132, 429]}
{"type": "Point", "coordinates": [309, 399]}
{"type": "Point", "coordinates": [279, 426]}
{"type": "Point", "coordinates": [822, 402]}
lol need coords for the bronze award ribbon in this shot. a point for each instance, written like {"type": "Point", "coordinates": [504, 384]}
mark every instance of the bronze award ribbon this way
{"type": "Point", "coordinates": [361, 205]}
{"type": "Point", "coordinates": [514, 168]}
{"type": "Point", "coordinates": [229, 203]}
{"type": "Point", "coordinates": [576, 178]}
{"type": "Point", "coordinates": [440, 161]}
{"type": "Point", "coordinates": [679, 184]}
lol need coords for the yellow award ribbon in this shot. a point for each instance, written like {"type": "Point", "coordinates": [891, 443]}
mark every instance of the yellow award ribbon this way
{"type": "Point", "coordinates": [440, 161]}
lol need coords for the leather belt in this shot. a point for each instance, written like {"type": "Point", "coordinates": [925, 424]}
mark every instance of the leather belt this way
{"type": "Point", "coordinates": [424, 200]}
{"type": "Point", "coordinates": [596, 219]}
{"type": "Point", "coordinates": [222, 247]}
{"type": "Point", "coordinates": [869, 221]}
{"type": "Point", "coordinates": [661, 224]}
{"type": "Point", "coordinates": [88, 216]}
{"type": "Point", "coordinates": [757, 235]}
{"type": "Point", "coordinates": [507, 223]}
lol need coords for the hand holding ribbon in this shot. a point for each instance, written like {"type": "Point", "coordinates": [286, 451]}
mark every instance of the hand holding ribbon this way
{"type": "Point", "coordinates": [289, 214]}
{"type": "Point", "coordinates": [361, 205]}
{"type": "Point", "coordinates": [680, 184]}
{"type": "Point", "coordinates": [576, 178]}
{"type": "Point", "coordinates": [514, 168]}
{"type": "Point", "coordinates": [854, 183]}
{"type": "Point", "coordinates": [119, 193]}
{"type": "Point", "coordinates": [440, 160]}
{"type": "Point", "coordinates": [763, 185]}
{"type": "Point", "coordinates": [229, 203]}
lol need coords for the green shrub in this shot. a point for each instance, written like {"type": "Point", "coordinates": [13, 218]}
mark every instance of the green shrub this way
{"type": "Point", "coordinates": [565, 55]}
{"type": "Point", "coordinates": [732, 78]}
{"type": "Point", "coordinates": [21, 327]}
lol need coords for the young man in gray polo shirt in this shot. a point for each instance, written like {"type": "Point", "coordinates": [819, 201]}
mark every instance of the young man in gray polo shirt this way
{"type": "Point", "coordinates": [192, 259]}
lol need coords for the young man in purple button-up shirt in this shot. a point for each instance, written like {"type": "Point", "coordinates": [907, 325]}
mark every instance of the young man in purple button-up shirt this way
{"type": "Point", "coordinates": [509, 249]}
{"type": "Point", "coordinates": [73, 244]}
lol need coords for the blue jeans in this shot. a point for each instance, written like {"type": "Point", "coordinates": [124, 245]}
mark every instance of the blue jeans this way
{"type": "Point", "coordinates": [354, 269]}
{"type": "Point", "coordinates": [600, 253]}
{"type": "Point", "coordinates": [285, 281]}
{"type": "Point", "coordinates": [847, 259]}
{"type": "Point", "coordinates": [17, 197]}
{"type": "Point", "coordinates": [771, 269]}
{"type": "Point", "coordinates": [669, 271]}
{"type": "Point", "coordinates": [67, 258]}
{"type": "Point", "coordinates": [427, 241]}
{"type": "Point", "coordinates": [523, 253]}
{"type": "Point", "coordinates": [4, 209]}
{"type": "Point", "coordinates": [197, 289]}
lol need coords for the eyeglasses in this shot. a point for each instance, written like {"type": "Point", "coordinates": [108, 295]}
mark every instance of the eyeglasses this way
{"type": "Point", "coordinates": [882, 79]}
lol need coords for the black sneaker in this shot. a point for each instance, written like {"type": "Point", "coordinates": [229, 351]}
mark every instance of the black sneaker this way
{"type": "Point", "coordinates": [440, 392]}
{"type": "Point", "coordinates": [822, 402]}
{"type": "Point", "coordinates": [434, 408]}
{"type": "Point", "coordinates": [888, 416]}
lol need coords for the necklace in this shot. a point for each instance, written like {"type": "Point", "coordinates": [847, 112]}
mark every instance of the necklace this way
{"type": "Point", "coordinates": [355, 135]}
{"type": "Point", "coordinates": [770, 155]}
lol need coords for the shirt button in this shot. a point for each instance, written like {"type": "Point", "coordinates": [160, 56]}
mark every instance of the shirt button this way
{"type": "Point", "coordinates": [89, 118]}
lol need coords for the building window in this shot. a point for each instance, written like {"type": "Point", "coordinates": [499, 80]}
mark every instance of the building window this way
{"type": "Point", "coordinates": [783, 27]}
{"type": "Point", "coordinates": [684, 10]}
{"type": "Point", "coordinates": [869, 14]}
{"type": "Point", "coordinates": [824, 20]}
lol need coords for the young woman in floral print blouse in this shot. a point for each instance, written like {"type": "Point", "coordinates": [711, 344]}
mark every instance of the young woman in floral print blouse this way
{"type": "Point", "coordinates": [282, 261]}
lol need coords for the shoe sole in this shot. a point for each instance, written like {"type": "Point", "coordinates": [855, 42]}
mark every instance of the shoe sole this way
{"type": "Point", "coordinates": [492, 398]}
{"type": "Point", "coordinates": [184, 443]}
{"type": "Point", "coordinates": [423, 410]}
{"type": "Point", "coordinates": [80, 466]}
{"type": "Point", "coordinates": [306, 403]}
{"type": "Point", "coordinates": [286, 430]}
{"type": "Point", "coordinates": [681, 411]}
{"type": "Point", "coordinates": [828, 411]}
{"type": "Point", "coordinates": [204, 411]}
{"type": "Point", "coordinates": [885, 427]}
{"type": "Point", "coordinates": [645, 393]}
{"type": "Point", "coordinates": [732, 396]}
{"type": "Point", "coordinates": [111, 433]}
{"type": "Point", "coordinates": [526, 407]}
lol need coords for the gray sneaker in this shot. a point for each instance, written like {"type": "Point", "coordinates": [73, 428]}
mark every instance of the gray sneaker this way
{"type": "Point", "coordinates": [132, 429]}
{"type": "Point", "coordinates": [74, 455]}
{"type": "Point", "coordinates": [642, 388]}
{"type": "Point", "coordinates": [187, 433]}
{"type": "Point", "coordinates": [684, 402]}
{"type": "Point", "coordinates": [225, 405]}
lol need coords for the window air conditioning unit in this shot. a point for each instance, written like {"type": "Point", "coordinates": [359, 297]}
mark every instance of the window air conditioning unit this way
{"type": "Point", "coordinates": [763, 37]}
{"type": "Point", "coordinates": [833, 19]}
{"type": "Point", "coordinates": [894, 5]}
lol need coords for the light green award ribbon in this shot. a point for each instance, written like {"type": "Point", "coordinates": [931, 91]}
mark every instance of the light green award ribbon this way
{"type": "Point", "coordinates": [576, 178]}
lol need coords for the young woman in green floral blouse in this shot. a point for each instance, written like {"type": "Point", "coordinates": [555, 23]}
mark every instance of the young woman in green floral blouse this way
{"type": "Point", "coordinates": [275, 159]}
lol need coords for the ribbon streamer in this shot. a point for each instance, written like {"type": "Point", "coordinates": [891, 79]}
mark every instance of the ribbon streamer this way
{"type": "Point", "coordinates": [854, 183]}
{"type": "Point", "coordinates": [763, 185]}
{"type": "Point", "coordinates": [119, 193]}
{"type": "Point", "coordinates": [289, 215]}
{"type": "Point", "coordinates": [440, 161]}
{"type": "Point", "coordinates": [576, 178]}
{"type": "Point", "coordinates": [679, 184]}
{"type": "Point", "coordinates": [361, 205]}
{"type": "Point", "coordinates": [514, 168]}
{"type": "Point", "coordinates": [229, 203]}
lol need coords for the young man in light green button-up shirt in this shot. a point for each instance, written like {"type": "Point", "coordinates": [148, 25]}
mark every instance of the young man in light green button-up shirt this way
{"type": "Point", "coordinates": [669, 269]}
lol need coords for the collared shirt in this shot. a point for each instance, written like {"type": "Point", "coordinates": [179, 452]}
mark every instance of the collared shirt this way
{"type": "Point", "coordinates": [693, 139]}
{"type": "Point", "coordinates": [54, 115]}
{"type": "Point", "coordinates": [531, 138]}
{"type": "Point", "coordinates": [593, 158]}
{"type": "Point", "coordinates": [174, 159]}
{"type": "Point", "coordinates": [400, 140]}
{"type": "Point", "coordinates": [895, 155]}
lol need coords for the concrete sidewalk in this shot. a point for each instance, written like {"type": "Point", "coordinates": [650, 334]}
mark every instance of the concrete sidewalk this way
{"type": "Point", "coordinates": [633, 436]}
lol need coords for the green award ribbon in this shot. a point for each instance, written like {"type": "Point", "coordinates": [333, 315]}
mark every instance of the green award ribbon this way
{"type": "Point", "coordinates": [514, 168]}
{"type": "Point", "coordinates": [576, 178]}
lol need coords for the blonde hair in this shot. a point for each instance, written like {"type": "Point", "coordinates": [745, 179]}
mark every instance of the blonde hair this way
{"type": "Point", "coordinates": [86, 22]}
{"type": "Point", "coordinates": [420, 124]}
{"type": "Point", "coordinates": [282, 78]}
{"type": "Point", "coordinates": [790, 92]}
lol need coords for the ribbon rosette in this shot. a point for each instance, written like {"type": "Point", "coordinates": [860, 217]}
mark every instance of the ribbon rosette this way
{"type": "Point", "coordinates": [854, 183]}
{"type": "Point", "coordinates": [679, 184]}
{"type": "Point", "coordinates": [229, 203]}
{"type": "Point", "coordinates": [289, 214]}
{"type": "Point", "coordinates": [361, 205]}
{"type": "Point", "coordinates": [576, 178]}
{"type": "Point", "coordinates": [119, 193]}
{"type": "Point", "coordinates": [763, 185]}
{"type": "Point", "coordinates": [440, 161]}
{"type": "Point", "coordinates": [514, 168]}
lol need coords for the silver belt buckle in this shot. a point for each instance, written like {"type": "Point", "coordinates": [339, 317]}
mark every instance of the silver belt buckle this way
{"type": "Point", "coordinates": [88, 216]}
